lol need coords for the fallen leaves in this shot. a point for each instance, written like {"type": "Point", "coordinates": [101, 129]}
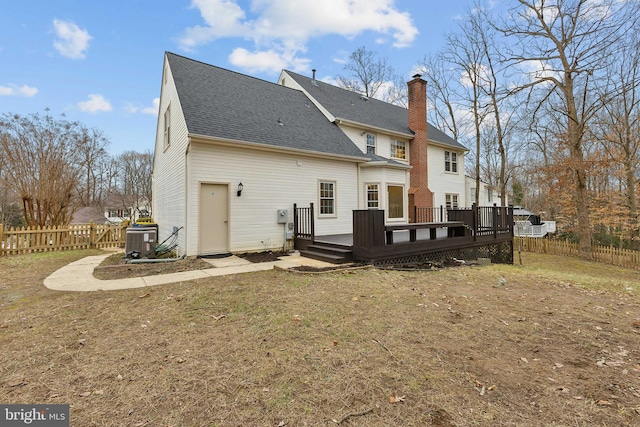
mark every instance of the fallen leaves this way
{"type": "Point", "coordinates": [481, 388]}
{"type": "Point", "coordinates": [394, 398]}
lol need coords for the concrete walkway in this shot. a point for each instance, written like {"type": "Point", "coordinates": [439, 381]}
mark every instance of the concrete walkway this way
{"type": "Point", "coordinates": [78, 276]}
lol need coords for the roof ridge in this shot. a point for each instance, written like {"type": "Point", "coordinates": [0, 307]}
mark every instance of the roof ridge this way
{"type": "Point", "coordinates": [226, 69]}
{"type": "Point", "coordinates": [347, 90]}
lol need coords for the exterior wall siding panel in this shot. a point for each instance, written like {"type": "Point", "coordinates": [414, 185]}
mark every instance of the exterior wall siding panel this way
{"type": "Point", "coordinates": [271, 181]}
{"type": "Point", "coordinates": [169, 167]}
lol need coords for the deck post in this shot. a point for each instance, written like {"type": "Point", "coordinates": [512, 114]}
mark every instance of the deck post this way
{"type": "Point", "coordinates": [368, 228]}
{"type": "Point", "coordinates": [295, 224]}
{"type": "Point", "coordinates": [494, 220]}
{"type": "Point", "coordinates": [313, 225]}
{"type": "Point", "coordinates": [474, 224]}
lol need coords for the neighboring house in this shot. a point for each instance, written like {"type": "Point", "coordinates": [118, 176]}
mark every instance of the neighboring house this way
{"type": "Point", "coordinates": [232, 152]}
{"type": "Point", "coordinates": [114, 210]}
{"type": "Point", "coordinates": [489, 194]}
{"type": "Point", "coordinates": [87, 214]}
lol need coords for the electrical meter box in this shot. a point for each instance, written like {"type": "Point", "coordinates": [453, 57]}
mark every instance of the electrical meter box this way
{"type": "Point", "coordinates": [140, 240]}
{"type": "Point", "coordinates": [283, 216]}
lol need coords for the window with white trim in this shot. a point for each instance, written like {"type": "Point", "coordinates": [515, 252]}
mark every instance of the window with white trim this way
{"type": "Point", "coordinates": [167, 127]}
{"type": "Point", "coordinates": [373, 196]}
{"type": "Point", "coordinates": [451, 201]}
{"type": "Point", "coordinates": [489, 195]}
{"type": "Point", "coordinates": [327, 198]}
{"type": "Point", "coordinates": [451, 161]}
{"type": "Point", "coordinates": [398, 149]}
{"type": "Point", "coordinates": [371, 143]}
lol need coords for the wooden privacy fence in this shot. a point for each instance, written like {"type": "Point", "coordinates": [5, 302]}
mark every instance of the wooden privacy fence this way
{"type": "Point", "coordinates": [26, 240]}
{"type": "Point", "coordinates": [608, 254]}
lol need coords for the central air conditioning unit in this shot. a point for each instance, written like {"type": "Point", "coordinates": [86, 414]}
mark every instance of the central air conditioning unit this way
{"type": "Point", "coordinates": [140, 241]}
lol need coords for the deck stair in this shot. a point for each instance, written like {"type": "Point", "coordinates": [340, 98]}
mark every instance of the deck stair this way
{"type": "Point", "coordinates": [328, 252]}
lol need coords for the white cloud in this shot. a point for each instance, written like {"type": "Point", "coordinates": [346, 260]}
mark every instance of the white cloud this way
{"type": "Point", "coordinates": [536, 70]}
{"type": "Point", "coordinates": [267, 60]}
{"type": "Point", "coordinates": [72, 41]}
{"type": "Point", "coordinates": [152, 110]}
{"type": "Point", "coordinates": [280, 29]}
{"type": "Point", "coordinates": [95, 104]}
{"type": "Point", "coordinates": [13, 90]}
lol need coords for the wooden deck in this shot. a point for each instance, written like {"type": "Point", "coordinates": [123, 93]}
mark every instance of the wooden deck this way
{"type": "Point", "coordinates": [479, 230]}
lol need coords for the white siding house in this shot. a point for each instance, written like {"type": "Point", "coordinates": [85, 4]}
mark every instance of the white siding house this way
{"type": "Point", "coordinates": [169, 163]}
{"type": "Point", "coordinates": [232, 152]}
{"type": "Point", "coordinates": [489, 194]}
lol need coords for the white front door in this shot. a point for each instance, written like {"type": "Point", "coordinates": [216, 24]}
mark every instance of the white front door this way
{"type": "Point", "coordinates": [213, 221]}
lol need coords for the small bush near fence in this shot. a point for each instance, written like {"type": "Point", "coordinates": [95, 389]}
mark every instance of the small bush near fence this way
{"type": "Point", "coordinates": [26, 240]}
{"type": "Point", "coordinates": [608, 254]}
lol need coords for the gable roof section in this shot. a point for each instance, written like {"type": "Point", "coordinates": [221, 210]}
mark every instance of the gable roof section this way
{"type": "Point", "coordinates": [220, 103]}
{"type": "Point", "coordinates": [347, 105]}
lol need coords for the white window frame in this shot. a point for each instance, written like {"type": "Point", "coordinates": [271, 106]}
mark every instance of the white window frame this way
{"type": "Point", "coordinates": [394, 149]}
{"type": "Point", "coordinates": [372, 204]}
{"type": "Point", "coordinates": [452, 200]}
{"type": "Point", "coordinates": [167, 127]}
{"type": "Point", "coordinates": [450, 161]}
{"type": "Point", "coordinates": [489, 195]}
{"type": "Point", "coordinates": [370, 148]}
{"type": "Point", "coordinates": [333, 198]}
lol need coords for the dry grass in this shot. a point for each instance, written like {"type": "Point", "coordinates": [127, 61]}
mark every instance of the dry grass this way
{"type": "Point", "coordinates": [552, 343]}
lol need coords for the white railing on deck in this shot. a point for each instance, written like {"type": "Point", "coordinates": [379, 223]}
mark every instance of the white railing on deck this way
{"type": "Point", "coordinates": [526, 229]}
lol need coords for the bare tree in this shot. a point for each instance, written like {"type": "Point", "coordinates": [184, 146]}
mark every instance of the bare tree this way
{"type": "Point", "coordinates": [443, 94]}
{"type": "Point", "coordinates": [10, 212]}
{"type": "Point", "coordinates": [570, 41]}
{"type": "Point", "coordinates": [373, 77]}
{"type": "Point", "coordinates": [42, 166]}
{"type": "Point", "coordinates": [493, 88]}
{"type": "Point", "coordinates": [92, 146]}
{"type": "Point", "coordinates": [134, 181]}
{"type": "Point", "coordinates": [619, 128]}
{"type": "Point", "coordinates": [467, 55]}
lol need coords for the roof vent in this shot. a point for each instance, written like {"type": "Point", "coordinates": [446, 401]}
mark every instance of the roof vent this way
{"type": "Point", "coordinates": [417, 76]}
{"type": "Point", "coordinates": [313, 78]}
{"type": "Point", "coordinates": [364, 98]}
{"type": "Point", "coordinates": [280, 122]}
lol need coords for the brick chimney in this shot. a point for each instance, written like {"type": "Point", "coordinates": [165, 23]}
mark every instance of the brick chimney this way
{"type": "Point", "coordinates": [419, 193]}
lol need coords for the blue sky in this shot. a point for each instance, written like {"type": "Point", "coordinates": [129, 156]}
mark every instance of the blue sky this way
{"type": "Point", "coordinates": [100, 62]}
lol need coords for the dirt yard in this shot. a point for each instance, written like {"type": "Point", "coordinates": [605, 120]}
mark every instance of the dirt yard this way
{"type": "Point", "coordinates": [552, 343]}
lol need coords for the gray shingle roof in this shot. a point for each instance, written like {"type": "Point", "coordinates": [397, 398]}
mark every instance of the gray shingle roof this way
{"type": "Point", "coordinates": [348, 105]}
{"type": "Point", "coordinates": [225, 104]}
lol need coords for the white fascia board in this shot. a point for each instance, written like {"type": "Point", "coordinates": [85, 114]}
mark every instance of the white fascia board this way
{"type": "Point", "coordinates": [408, 136]}
{"type": "Point", "coordinates": [447, 146]}
{"type": "Point", "coordinates": [297, 86]}
{"type": "Point", "coordinates": [384, 164]}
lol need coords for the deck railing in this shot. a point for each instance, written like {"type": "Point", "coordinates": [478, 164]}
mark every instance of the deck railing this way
{"type": "Point", "coordinates": [438, 214]}
{"type": "Point", "coordinates": [303, 224]}
{"type": "Point", "coordinates": [526, 229]}
{"type": "Point", "coordinates": [465, 228]}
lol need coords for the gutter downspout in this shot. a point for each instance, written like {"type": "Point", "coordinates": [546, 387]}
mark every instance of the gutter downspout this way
{"type": "Point", "coordinates": [186, 195]}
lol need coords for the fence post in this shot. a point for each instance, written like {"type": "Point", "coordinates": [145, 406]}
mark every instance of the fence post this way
{"type": "Point", "coordinates": [92, 235]}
